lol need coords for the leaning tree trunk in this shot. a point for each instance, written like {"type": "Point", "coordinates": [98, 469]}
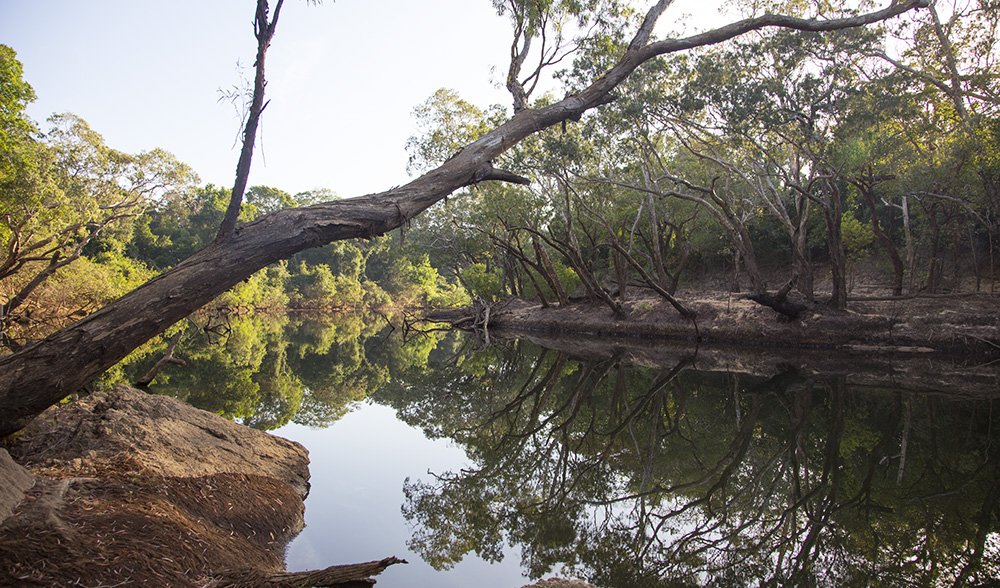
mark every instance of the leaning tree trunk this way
{"type": "Point", "coordinates": [44, 373]}
{"type": "Point", "coordinates": [48, 371]}
{"type": "Point", "coordinates": [885, 240]}
{"type": "Point", "coordinates": [549, 272]}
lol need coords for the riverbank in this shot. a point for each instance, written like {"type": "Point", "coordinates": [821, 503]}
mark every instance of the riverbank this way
{"type": "Point", "coordinates": [967, 327]}
{"type": "Point", "coordinates": [128, 488]}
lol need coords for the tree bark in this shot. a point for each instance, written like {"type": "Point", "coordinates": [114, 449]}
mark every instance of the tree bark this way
{"type": "Point", "coordinates": [44, 373]}
{"type": "Point", "coordinates": [351, 575]}
{"type": "Point", "coordinates": [803, 265]}
{"type": "Point", "coordinates": [655, 248]}
{"type": "Point", "coordinates": [838, 258]}
{"type": "Point", "coordinates": [911, 252]}
{"type": "Point", "coordinates": [264, 31]}
{"type": "Point", "coordinates": [549, 272]}
{"type": "Point", "coordinates": [935, 265]}
{"type": "Point", "coordinates": [868, 195]}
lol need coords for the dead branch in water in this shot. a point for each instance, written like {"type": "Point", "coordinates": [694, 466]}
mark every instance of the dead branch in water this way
{"type": "Point", "coordinates": [168, 358]}
{"type": "Point", "coordinates": [479, 319]}
{"type": "Point", "coordinates": [342, 576]}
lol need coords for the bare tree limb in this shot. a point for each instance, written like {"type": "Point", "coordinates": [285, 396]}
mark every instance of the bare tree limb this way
{"type": "Point", "coordinates": [343, 576]}
{"type": "Point", "coordinates": [264, 31]}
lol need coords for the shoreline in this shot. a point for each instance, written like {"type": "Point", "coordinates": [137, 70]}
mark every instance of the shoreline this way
{"type": "Point", "coordinates": [968, 329]}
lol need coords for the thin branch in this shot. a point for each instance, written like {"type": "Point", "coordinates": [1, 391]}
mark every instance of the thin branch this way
{"type": "Point", "coordinates": [264, 31]}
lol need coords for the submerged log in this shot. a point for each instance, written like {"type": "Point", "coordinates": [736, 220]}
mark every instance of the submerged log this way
{"type": "Point", "coordinates": [344, 576]}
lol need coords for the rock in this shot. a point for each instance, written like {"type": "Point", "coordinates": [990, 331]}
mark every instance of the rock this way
{"type": "Point", "coordinates": [137, 489]}
{"type": "Point", "coordinates": [159, 435]}
{"type": "Point", "coordinates": [14, 481]}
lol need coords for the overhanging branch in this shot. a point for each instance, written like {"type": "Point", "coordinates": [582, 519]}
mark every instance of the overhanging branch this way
{"type": "Point", "coordinates": [489, 172]}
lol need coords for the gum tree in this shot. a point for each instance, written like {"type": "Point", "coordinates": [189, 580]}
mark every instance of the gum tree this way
{"type": "Point", "coordinates": [44, 373]}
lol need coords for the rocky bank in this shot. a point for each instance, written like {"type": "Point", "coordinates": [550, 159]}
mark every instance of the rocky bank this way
{"type": "Point", "coordinates": [124, 488]}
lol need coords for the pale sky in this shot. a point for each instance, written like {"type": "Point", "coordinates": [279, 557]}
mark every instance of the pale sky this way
{"type": "Point", "coordinates": [343, 78]}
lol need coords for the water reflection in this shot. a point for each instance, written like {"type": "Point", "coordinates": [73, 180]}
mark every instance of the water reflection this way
{"type": "Point", "coordinates": [664, 476]}
{"type": "Point", "coordinates": [655, 469]}
{"type": "Point", "coordinates": [267, 372]}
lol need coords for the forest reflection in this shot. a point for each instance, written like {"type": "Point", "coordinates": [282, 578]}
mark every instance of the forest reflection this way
{"type": "Point", "coordinates": [266, 371]}
{"type": "Point", "coordinates": [669, 476]}
{"type": "Point", "coordinates": [641, 473]}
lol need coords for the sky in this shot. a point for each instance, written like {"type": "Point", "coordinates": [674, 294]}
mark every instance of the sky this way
{"type": "Point", "coordinates": [343, 78]}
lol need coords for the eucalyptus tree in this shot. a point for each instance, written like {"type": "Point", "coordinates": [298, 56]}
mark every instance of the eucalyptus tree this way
{"type": "Point", "coordinates": [943, 66]}
{"type": "Point", "coordinates": [498, 239]}
{"type": "Point", "coordinates": [458, 234]}
{"type": "Point", "coordinates": [771, 127]}
{"type": "Point", "coordinates": [694, 130]}
{"type": "Point", "coordinates": [647, 237]}
{"type": "Point", "coordinates": [40, 375]}
{"type": "Point", "coordinates": [543, 36]}
{"type": "Point", "coordinates": [741, 131]}
{"type": "Point", "coordinates": [67, 189]}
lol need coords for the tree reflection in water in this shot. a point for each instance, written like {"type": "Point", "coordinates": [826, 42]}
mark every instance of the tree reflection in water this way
{"type": "Point", "coordinates": [269, 371]}
{"type": "Point", "coordinates": [643, 476]}
{"type": "Point", "coordinates": [648, 472]}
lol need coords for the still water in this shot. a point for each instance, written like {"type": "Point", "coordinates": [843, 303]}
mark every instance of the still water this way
{"type": "Point", "coordinates": [614, 462]}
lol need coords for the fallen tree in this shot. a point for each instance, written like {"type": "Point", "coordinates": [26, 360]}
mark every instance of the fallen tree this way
{"type": "Point", "coordinates": [346, 576]}
{"type": "Point", "coordinates": [44, 373]}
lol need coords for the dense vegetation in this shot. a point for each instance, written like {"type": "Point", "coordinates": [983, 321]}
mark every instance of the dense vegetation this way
{"type": "Point", "coordinates": [773, 159]}
{"type": "Point", "coordinates": [82, 223]}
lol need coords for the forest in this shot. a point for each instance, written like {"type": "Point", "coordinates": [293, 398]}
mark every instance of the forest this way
{"type": "Point", "coordinates": [811, 164]}
{"type": "Point", "coordinates": [829, 170]}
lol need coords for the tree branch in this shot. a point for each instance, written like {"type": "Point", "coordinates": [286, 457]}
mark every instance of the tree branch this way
{"type": "Point", "coordinates": [491, 173]}
{"type": "Point", "coordinates": [351, 575]}
{"type": "Point", "coordinates": [264, 31]}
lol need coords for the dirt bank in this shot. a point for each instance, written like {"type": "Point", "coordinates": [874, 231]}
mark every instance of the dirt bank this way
{"type": "Point", "coordinates": [967, 326]}
{"type": "Point", "coordinates": [924, 373]}
{"type": "Point", "coordinates": [132, 489]}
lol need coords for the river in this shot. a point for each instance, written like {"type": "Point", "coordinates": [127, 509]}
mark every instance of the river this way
{"type": "Point", "coordinates": [618, 463]}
